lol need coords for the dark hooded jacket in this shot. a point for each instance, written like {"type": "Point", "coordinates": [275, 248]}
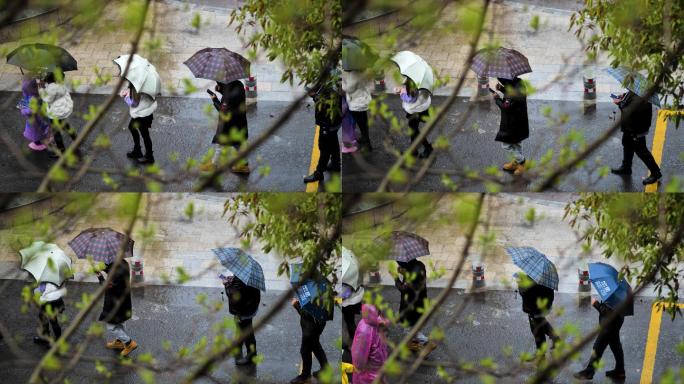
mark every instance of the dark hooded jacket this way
{"type": "Point", "coordinates": [514, 126]}
{"type": "Point", "coordinates": [639, 121]}
{"type": "Point", "coordinates": [328, 105]}
{"type": "Point", "coordinates": [117, 306]}
{"type": "Point", "coordinates": [243, 300]}
{"type": "Point", "coordinates": [413, 291]}
{"type": "Point", "coordinates": [532, 295]}
{"type": "Point", "coordinates": [233, 105]}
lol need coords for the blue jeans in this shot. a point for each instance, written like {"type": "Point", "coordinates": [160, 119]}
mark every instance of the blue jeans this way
{"type": "Point", "coordinates": [514, 151]}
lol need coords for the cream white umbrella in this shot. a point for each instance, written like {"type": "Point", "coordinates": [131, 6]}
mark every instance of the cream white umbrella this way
{"type": "Point", "coordinates": [415, 68]}
{"type": "Point", "coordinates": [141, 74]}
{"type": "Point", "coordinates": [46, 262]}
{"type": "Point", "coordinates": [350, 269]}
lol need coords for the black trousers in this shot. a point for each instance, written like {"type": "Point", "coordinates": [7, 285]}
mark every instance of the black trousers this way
{"type": "Point", "coordinates": [632, 145]}
{"type": "Point", "coordinates": [57, 133]}
{"type": "Point", "coordinates": [349, 320]}
{"type": "Point", "coordinates": [329, 147]}
{"type": "Point", "coordinates": [140, 126]}
{"type": "Point", "coordinates": [311, 343]}
{"type": "Point", "coordinates": [361, 118]}
{"type": "Point", "coordinates": [414, 121]}
{"type": "Point", "coordinates": [609, 335]}
{"type": "Point", "coordinates": [47, 321]}
{"type": "Point", "coordinates": [541, 328]}
{"type": "Point", "coordinates": [245, 327]}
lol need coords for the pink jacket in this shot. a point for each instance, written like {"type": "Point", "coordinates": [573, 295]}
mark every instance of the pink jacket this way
{"type": "Point", "coordinates": [369, 349]}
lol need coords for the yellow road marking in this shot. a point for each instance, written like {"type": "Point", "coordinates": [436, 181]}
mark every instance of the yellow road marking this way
{"type": "Point", "coordinates": [658, 144]}
{"type": "Point", "coordinates": [315, 155]}
{"type": "Point", "coordinates": [652, 341]}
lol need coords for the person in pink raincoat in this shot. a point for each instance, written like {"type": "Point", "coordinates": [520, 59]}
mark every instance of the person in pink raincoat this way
{"type": "Point", "coordinates": [369, 348]}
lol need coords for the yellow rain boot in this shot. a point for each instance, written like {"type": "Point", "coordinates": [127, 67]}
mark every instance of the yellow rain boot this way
{"type": "Point", "coordinates": [510, 167]}
{"type": "Point", "coordinates": [128, 348]}
{"type": "Point", "coordinates": [116, 344]}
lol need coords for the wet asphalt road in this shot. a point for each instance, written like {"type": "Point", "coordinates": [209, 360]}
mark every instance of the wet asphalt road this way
{"type": "Point", "coordinates": [164, 313]}
{"type": "Point", "coordinates": [495, 319]}
{"type": "Point", "coordinates": [180, 127]}
{"type": "Point", "coordinates": [473, 147]}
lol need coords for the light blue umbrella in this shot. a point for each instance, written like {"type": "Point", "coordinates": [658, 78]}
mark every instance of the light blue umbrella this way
{"type": "Point", "coordinates": [308, 291]}
{"type": "Point", "coordinates": [611, 291]}
{"type": "Point", "coordinates": [635, 82]}
{"type": "Point", "coordinates": [535, 265]}
{"type": "Point", "coordinates": [243, 266]}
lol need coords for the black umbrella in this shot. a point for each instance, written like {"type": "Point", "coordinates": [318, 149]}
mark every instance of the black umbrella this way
{"type": "Point", "coordinates": [42, 58]}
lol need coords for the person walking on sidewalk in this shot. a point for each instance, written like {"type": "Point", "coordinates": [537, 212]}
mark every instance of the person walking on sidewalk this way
{"type": "Point", "coordinates": [118, 307]}
{"type": "Point", "coordinates": [59, 107]}
{"type": "Point", "coordinates": [243, 303]}
{"type": "Point", "coordinates": [357, 92]}
{"type": "Point", "coordinates": [634, 131]}
{"type": "Point", "coordinates": [351, 306]}
{"type": "Point", "coordinates": [369, 349]}
{"type": "Point", "coordinates": [609, 335]}
{"type": "Point", "coordinates": [328, 113]}
{"type": "Point", "coordinates": [514, 126]}
{"type": "Point", "coordinates": [232, 125]}
{"type": "Point", "coordinates": [536, 302]}
{"type": "Point", "coordinates": [312, 328]}
{"type": "Point", "coordinates": [413, 289]}
{"type": "Point", "coordinates": [51, 307]}
{"type": "Point", "coordinates": [37, 128]}
{"type": "Point", "coordinates": [416, 103]}
{"type": "Point", "coordinates": [141, 108]}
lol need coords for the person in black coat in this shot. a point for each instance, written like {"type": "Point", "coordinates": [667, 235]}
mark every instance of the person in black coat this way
{"type": "Point", "coordinates": [243, 303]}
{"type": "Point", "coordinates": [118, 307]}
{"type": "Point", "coordinates": [536, 302]}
{"type": "Point", "coordinates": [609, 335]}
{"type": "Point", "coordinates": [413, 291]}
{"type": "Point", "coordinates": [634, 130]}
{"type": "Point", "coordinates": [514, 126]}
{"type": "Point", "coordinates": [312, 328]}
{"type": "Point", "coordinates": [232, 125]}
{"type": "Point", "coordinates": [328, 112]}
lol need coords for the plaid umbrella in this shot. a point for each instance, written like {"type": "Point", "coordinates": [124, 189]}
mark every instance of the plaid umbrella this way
{"type": "Point", "coordinates": [635, 82]}
{"type": "Point", "coordinates": [102, 244]}
{"type": "Point", "coordinates": [501, 62]}
{"type": "Point", "coordinates": [243, 266]}
{"type": "Point", "coordinates": [535, 265]}
{"type": "Point", "coordinates": [218, 64]}
{"type": "Point", "coordinates": [42, 58]}
{"type": "Point", "coordinates": [405, 246]}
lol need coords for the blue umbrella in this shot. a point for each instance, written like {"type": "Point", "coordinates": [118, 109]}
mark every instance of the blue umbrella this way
{"type": "Point", "coordinates": [635, 82]}
{"type": "Point", "coordinates": [243, 266]}
{"type": "Point", "coordinates": [611, 291]}
{"type": "Point", "coordinates": [535, 265]}
{"type": "Point", "coordinates": [308, 291]}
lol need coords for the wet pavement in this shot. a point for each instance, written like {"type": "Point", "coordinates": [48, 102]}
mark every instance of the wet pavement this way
{"type": "Point", "coordinates": [163, 313]}
{"type": "Point", "coordinates": [494, 320]}
{"type": "Point", "coordinates": [473, 148]}
{"type": "Point", "coordinates": [181, 128]}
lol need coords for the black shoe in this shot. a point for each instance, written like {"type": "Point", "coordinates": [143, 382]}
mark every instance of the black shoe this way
{"type": "Point", "coordinates": [584, 374]}
{"type": "Point", "coordinates": [247, 360]}
{"type": "Point", "coordinates": [147, 159]}
{"type": "Point", "coordinates": [301, 379]}
{"type": "Point", "coordinates": [426, 152]}
{"type": "Point", "coordinates": [40, 341]}
{"type": "Point", "coordinates": [134, 154]}
{"type": "Point", "coordinates": [622, 170]}
{"type": "Point", "coordinates": [616, 374]}
{"type": "Point", "coordinates": [316, 176]}
{"type": "Point", "coordinates": [653, 178]}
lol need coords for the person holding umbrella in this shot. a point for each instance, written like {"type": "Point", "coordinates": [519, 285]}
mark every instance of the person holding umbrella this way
{"type": "Point", "coordinates": [36, 128]}
{"type": "Point", "coordinates": [328, 114]}
{"type": "Point", "coordinates": [244, 295]}
{"type": "Point", "coordinates": [415, 96]}
{"type": "Point", "coordinates": [59, 107]}
{"type": "Point", "coordinates": [536, 286]}
{"type": "Point", "coordinates": [104, 245]}
{"type": "Point", "coordinates": [635, 126]}
{"type": "Point", "coordinates": [140, 89]}
{"type": "Point", "coordinates": [50, 267]}
{"type": "Point", "coordinates": [315, 310]}
{"type": "Point", "coordinates": [616, 303]}
{"type": "Point", "coordinates": [351, 292]}
{"type": "Point", "coordinates": [226, 68]}
{"type": "Point", "coordinates": [356, 57]}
